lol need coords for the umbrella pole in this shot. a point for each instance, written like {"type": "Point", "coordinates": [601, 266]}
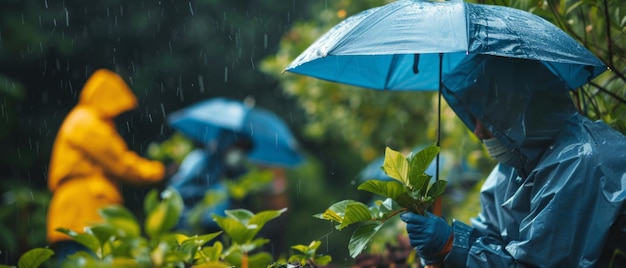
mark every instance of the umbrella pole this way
{"type": "Point", "coordinates": [437, 209]}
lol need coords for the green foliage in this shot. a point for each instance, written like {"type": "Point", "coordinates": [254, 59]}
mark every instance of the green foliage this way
{"type": "Point", "coordinates": [118, 241]}
{"type": "Point", "coordinates": [23, 213]}
{"type": "Point", "coordinates": [411, 191]}
{"type": "Point", "coordinates": [253, 181]}
{"type": "Point", "coordinates": [173, 149]}
{"type": "Point", "coordinates": [34, 257]}
{"type": "Point", "coordinates": [308, 255]}
{"type": "Point", "coordinates": [242, 225]}
{"type": "Point", "coordinates": [162, 216]}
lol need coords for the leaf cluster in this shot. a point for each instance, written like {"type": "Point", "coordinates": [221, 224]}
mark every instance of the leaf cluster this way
{"type": "Point", "coordinates": [119, 240]}
{"type": "Point", "coordinates": [410, 190]}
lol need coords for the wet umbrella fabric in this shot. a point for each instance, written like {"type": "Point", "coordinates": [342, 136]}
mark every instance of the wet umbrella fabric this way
{"type": "Point", "coordinates": [400, 46]}
{"type": "Point", "coordinates": [273, 142]}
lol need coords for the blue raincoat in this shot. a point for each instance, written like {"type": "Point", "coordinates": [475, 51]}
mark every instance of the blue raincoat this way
{"type": "Point", "coordinates": [201, 171]}
{"type": "Point", "coordinates": [562, 203]}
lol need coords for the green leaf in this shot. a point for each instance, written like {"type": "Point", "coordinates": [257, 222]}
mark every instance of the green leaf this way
{"type": "Point", "coordinates": [34, 257]}
{"type": "Point", "coordinates": [314, 245]}
{"type": "Point", "coordinates": [299, 258]}
{"type": "Point", "coordinates": [405, 201]}
{"type": "Point", "coordinates": [134, 247]}
{"type": "Point", "coordinates": [362, 237]}
{"type": "Point", "coordinates": [252, 182]}
{"type": "Point", "coordinates": [396, 165]}
{"type": "Point", "coordinates": [261, 259]}
{"type": "Point", "coordinates": [421, 182]}
{"type": "Point", "coordinates": [151, 201]}
{"type": "Point", "coordinates": [323, 260]}
{"type": "Point", "coordinates": [122, 219]}
{"type": "Point", "coordinates": [242, 225]}
{"type": "Point", "coordinates": [336, 211]}
{"type": "Point", "coordinates": [355, 212]}
{"type": "Point", "coordinates": [88, 240]}
{"type": "Point", "coordinates": [164, 216]}
{"type": "Point", "coordinates": [389, 189]}
{"type": "Point", "coordinates": [236, 230]}
{"type": "Point", "coordinates": [422, 159]}
{"type": "Point", "coordinates": [200, 240]}
{"type": "Point", "coordinates": [103, 232]}
{"type": "Point", "coordinates": [240, 215]}
{"type": "Point", "coordinates": [214, 252]}
{"type": "Point", "coordinates": [256, 243]}
{"type": "Point", "coordinates": [437, 189]}
{"type": "Point", "coordinates": [191, 244]}
{"type": "Point", "coordinates": [300, 248]}
{"type": "Point", "coordinates": [261, 218]}
{"type": "Point", "coordinates": [329, 215]}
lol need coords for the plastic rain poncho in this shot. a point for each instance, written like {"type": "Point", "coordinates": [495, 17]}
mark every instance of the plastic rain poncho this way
{"type": "Point", "coordinates": [89, 157]}
{"type": "Point", "coordinates": [562, 204]}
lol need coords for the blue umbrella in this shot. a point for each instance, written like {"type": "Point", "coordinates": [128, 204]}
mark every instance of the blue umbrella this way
{"type": "Point", "coordinates": [408, 44]}
{"type": "Point", "coordinates": [411, 44]}
{"type": "Point", "coordinates": [272, 142]}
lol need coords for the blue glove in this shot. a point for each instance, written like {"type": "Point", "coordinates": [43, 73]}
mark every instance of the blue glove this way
{"type": "Point", "coordinates": [429, 236]}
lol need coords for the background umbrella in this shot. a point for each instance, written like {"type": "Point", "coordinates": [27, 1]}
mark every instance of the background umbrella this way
{"type": "Point", "coordinates": [406, 45]}
{"type": "Point", "coordinates": [273, 143]}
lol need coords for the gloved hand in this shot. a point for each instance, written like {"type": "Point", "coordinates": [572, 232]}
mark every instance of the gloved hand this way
{"type": "Point", "coordinates": [431, 236]}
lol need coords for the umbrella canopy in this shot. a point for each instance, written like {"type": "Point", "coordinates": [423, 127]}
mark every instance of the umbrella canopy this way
{"type": "Point", "coordinates": [272, 141]}
{"type": "Point", "coordinates": [407, 44]}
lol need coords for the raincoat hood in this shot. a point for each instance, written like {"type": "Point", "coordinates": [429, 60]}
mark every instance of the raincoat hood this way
{"type": "Point", "coordinates": [524, 113]}
{"type": "Point", "coordinates": [108, 94]}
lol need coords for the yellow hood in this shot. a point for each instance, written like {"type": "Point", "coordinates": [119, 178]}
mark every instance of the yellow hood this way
{"type": "Point", "coordinates": [108, 94]}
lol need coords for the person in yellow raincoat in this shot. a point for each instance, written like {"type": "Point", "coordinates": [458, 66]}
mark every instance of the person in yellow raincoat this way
{"type": "Point", "coordinates": [89, 158]}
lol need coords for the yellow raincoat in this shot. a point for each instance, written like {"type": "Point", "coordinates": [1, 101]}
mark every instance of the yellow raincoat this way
{"type": "Point", "coordinates": [89, 157]}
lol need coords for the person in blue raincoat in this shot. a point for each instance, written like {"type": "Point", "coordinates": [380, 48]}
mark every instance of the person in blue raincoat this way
{"type": "Point", "coordinates": [556, 198]}
{"type": "Point", "coordinates": [201, 171]}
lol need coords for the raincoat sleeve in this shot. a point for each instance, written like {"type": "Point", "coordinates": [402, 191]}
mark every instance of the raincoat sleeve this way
{"type": "Point", "coordinates": [565, 222]}
{"type": "Point", "coordinates": [101, 142]}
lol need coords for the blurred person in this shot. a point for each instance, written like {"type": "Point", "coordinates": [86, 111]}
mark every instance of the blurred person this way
{"type": "Point", "coordinates": [239, 163]}
{"type": "Point", "coordinates": [202, 170]}
{"type": "Point", "coordinates": [89, 159]}
{"type": "Point", "coordinates": [556, 197]}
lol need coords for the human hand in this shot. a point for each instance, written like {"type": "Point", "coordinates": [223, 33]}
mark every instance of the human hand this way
{"type": "Point", "coordinates": [429, 235]}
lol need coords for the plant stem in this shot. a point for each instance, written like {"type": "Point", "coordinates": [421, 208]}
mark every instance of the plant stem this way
{"type": "Point", "coordinates": [394, 213]}
{"type": "Point", "coordinates": [244, 260]}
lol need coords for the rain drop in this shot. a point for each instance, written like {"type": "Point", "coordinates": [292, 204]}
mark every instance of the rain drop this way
{"type": "Point", "coordinates": [67, 18]}
{"type": "Point", "coordinates": [163, 110]}
{"type": "Point", "coordinates": [191, 9]}
{"type": "Point", "coordinates": [201, 83]}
